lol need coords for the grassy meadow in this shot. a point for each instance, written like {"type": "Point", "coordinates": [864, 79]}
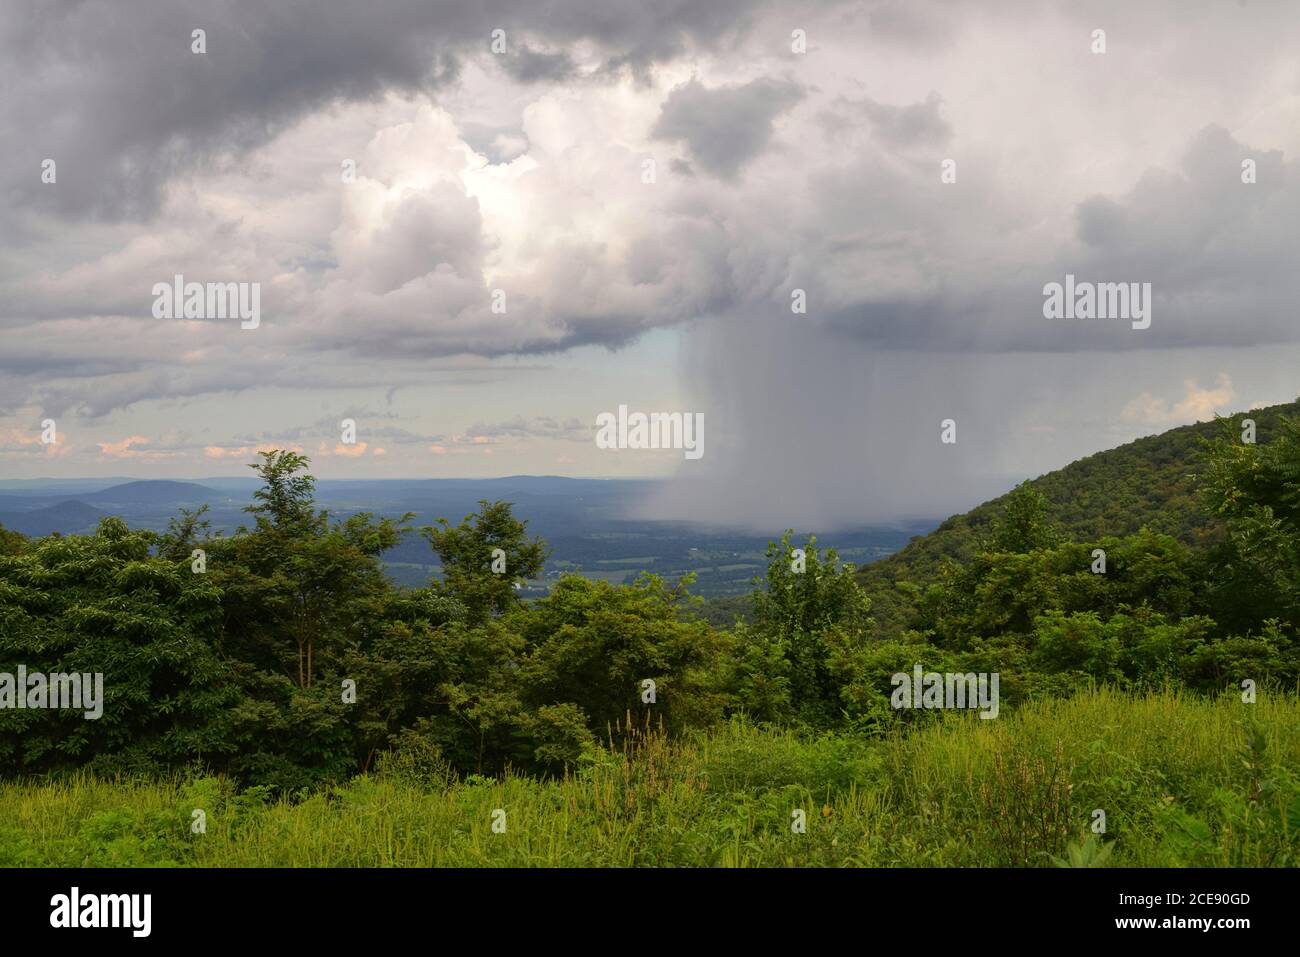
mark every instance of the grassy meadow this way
{"type": "Point", "coordinates": [1183, 780]}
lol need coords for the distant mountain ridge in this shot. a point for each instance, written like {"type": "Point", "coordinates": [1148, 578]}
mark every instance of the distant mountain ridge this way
{"type": "Point", "coordinates": [158, 490]}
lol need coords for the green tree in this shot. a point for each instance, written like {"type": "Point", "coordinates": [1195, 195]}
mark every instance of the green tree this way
{"type": "Point", "coordinates": [593, 645]}
{"type": "Point", "coordinates": [298, 585]}
{"type": "Point", "coordinates": [1255, 489]}
{"type": "Point", "coordinates": [184, 533]}
{"type": "Point", "coordinates": [1023, 525]}
{"type": "Point", "coordinates": [101, 603]}
{"type": "Point", "coordinates": [11, 542]}
{"type": "Point", "coordinates": [811, 607]}
{"type": "Point", "coordinates": [285, 500]}
{"type": "Point", "coordinates": [484, 558]}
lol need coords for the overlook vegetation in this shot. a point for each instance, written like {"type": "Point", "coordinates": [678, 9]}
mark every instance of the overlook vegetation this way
{"type": "Point", "coordinates": [1182, 781]}
{"type": "Point", "coordinates": [276, 677]}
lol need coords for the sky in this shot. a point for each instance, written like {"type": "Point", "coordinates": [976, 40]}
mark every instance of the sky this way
{"type": "Point", "coordinates": [826, 227]}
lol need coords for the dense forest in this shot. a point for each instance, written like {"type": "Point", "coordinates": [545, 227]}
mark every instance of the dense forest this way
{"type": "Point", "coordinates": [1150, 483]}
{"type": "Point", "coordinates": [280, 658]}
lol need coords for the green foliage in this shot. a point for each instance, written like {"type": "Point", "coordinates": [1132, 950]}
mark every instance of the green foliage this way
{"type": "Point", "coordinates": [810, 611]}
{"type": "Point", "coordinates": [246, 666]}
{"type": "Point", "coordinates": [468, 552]}
{"type": "Point", "coordinates": [1023, 525]}
{"type": "Point", "coordinates": [103, 603]}
{"type": "Point", "coordinates": [1148, 483]}
{"type": "Point", "coordinates": [467, 692]}
{"type": "Point", "coordinates": [416, 760]}
{"type": "Point", "coordinates": [11, 543]}
{"type": "Point", "coordinates": [1255, 489]}
{"type": "Point", "coordinates": [1167, 769]}
{"type": "Point", "coordinates": [1090, 852]}
{"type": "Point", "coordinates": [593, 645]}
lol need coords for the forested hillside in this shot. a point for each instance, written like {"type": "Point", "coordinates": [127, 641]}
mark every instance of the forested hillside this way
{"type": "Point", "coordinates": [1149, 483]}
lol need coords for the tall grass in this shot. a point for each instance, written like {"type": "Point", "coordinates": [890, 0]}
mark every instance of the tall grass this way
{"type": "Point", "coordinates": [1182, 781]}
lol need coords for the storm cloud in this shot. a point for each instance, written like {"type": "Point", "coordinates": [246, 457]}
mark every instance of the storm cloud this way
{"type": "Point", "coordinates": [629, 198]}
{"type": "Point", "coordinates": [724, 128]}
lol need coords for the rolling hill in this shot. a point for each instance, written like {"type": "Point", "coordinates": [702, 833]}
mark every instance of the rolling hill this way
{"type": "Point", "coordinates": [65, 517]}
{"type": "Point", "coordinates": [1149, 482]}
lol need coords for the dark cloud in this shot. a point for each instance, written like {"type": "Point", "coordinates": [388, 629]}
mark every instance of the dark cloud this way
{"type": "Point", "coordinates": [1220, 253]}
{"type": "Point", "coordinates": [905, 127]}
{"type": "Point", "coordinates": [914, 287]}
{"type": "Point", "coordinates": [533, 66]}
{"type": "Point", "coordinates": [115, 95]}
{"type": "Point", "coordinates": [726, 127]}
{"type": "Point", "coordinates": [122, 104]}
